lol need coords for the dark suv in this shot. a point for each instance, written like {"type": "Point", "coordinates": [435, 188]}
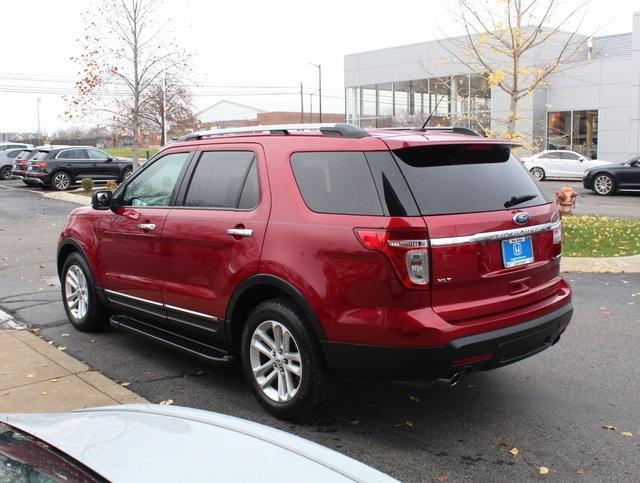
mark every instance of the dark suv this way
{"type": "Point", "coordinates": [335, 252]}
{"type": "Point", "coordinates": [60, 167]}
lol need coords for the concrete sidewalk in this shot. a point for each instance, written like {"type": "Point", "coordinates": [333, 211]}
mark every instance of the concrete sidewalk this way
{"type": "Point", "coordinates": [36, 376]}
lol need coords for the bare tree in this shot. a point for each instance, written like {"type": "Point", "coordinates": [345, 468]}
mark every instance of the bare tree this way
{"type": "Point", "coordinates": [168, 102]}
{"type": "Point", "coordinates": [502, 37]}
{"type": "Point", "coordinates": [125, 54]}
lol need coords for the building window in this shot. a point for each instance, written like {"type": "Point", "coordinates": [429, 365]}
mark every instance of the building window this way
{"type": "Point", "coordinates": [574, 130]}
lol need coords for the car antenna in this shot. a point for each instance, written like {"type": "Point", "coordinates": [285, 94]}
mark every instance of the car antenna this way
{"type": "Point", "coordinates": [431, 114]}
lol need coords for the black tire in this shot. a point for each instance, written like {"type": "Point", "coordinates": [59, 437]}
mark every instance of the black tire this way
{"type": "Point", "coordinates": [61, 181]}
{"type": "Point", "coordinates": [315, 384]}
{"type": "Point", "coordinates": [96, 316]}
{"type": "Point", "coordinates": [126, 173]}
{"type": "Point", "coordinates": [604, 184]}
{"type": "Point", "coordinates": [538, 173]}
{"type": "Point", "coordinates": [5, 172]}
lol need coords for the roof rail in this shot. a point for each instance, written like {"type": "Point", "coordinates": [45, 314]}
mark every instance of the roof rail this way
{"type": "Point", "coordinates": [339, 130]}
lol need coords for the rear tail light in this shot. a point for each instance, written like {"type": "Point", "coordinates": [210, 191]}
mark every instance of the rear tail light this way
{"type": "Point", "coordinates": [557, 234]}
{"type": "Point", "coordinates": [407, 251]}
{"type": "Point", "coordinates": [40, 164]}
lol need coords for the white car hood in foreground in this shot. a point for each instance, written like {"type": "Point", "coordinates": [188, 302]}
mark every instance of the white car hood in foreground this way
{"type": "Point", "coordinates": [147, 442]}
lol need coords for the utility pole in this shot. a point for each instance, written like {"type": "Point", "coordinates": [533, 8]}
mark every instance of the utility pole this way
{"type": "Point", "coordinates": [301, 105]}
{"type": "Point", "coordinates": [311, 106]}
{"type": "Point", "coordinates": [38, 112]}
{"type": "Point", "coordinates": [319, 66]}
{"type": "Point", "coordinates": [164, 109]}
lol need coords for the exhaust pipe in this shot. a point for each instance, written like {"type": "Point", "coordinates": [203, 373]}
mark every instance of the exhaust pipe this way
{"type": "Point", "coordinates": [452, 381]}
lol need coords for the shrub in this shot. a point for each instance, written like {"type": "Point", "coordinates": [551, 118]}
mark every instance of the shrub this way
{"type": "Point", "coordinates": [87, 184]}
{"type": "Point", "coordinates": [112, 185]}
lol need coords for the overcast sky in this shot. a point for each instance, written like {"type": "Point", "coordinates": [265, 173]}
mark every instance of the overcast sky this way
{"type": "Point", "coordinates": [248, 43]}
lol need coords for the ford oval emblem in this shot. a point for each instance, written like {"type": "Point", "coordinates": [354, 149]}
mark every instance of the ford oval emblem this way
{"type": "Point", "coordinates": [521, 218]}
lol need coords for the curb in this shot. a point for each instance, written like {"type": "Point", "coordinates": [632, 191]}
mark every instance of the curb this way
{"type": "Point", "coordinates": [630, 264]}
{"type": "Point", "coordinates": [69, 197]}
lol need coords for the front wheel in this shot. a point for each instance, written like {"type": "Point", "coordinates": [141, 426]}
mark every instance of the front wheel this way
{"type": "Point", "coordinates": [538, 173]}
{"type": "Point", "coordinates": [282, 359]}
{"type": "Point", "coordinates": [5, 172]}
{"type": "Point", "coordinates": [127, 172]}
{"type": "Point", "coordinates": [61, 181]}
{"type": "Point", "coordinates": [603, 185]}
{"type": "Point", "coordinates": [79, 296]}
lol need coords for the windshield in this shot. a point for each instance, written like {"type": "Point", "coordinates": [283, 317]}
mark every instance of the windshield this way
{"type": "Point", "coordinates": [24, 458]}
{"type": "Point", "coordinates": [467, 179]}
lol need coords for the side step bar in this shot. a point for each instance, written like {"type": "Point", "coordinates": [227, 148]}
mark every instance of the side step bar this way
{"type": "Point", "coordinates": [189, 346]}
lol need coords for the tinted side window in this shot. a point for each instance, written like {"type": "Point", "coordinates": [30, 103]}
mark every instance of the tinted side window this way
{"type": "Point", "coordinates": [394, 193]}
{"type": "Point", "coordinates": [219, 178]}
{"type": "Point", "coordinates": [570, 156]}
{"type": "Point", "coordinates": [73, 154]}
{"type": "Point", "coordinates": [336, 182]}
{"type": "Point", "coordinates": [466, 178]}
{"type": "Point", "coordinates": [13, 154]}
{"type": "Point", "coordinates": [549, 156]}
{"type": "Point", "coordinates": [98, 155]}
{"type": "Point", "coordinates": [250, 191]}
{"type": "Point", "coordinates": [155, 184]}
{"type": "Point", "coordinates": [41, 155]}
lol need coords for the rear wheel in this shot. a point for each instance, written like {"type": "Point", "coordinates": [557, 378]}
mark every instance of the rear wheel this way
{"type": "Point", "coordinates": [79, 296]}
{"type": "Point", "coordinates": [538, 173]}
{"type": "Point", "coordinates": [604, 185]}
{"type": "Point", "coordinates": [282, 359]}
{"type": "Point", "coordinates": [5, 172]}
{"type": "Point", "coordinates": [61, 181]}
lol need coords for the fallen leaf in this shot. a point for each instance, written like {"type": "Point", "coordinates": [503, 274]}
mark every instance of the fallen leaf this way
{"type": "Point", "coordinates": [514, 451]}
{"type": "Point", "coordinates": [628, 434]}
{"type": "Point", "coordinates": [167, 402]}
{"type": "Point", "coordinates": [62, 348]}
{"type": "Point", "coordinates": [408, 424]}
{"type": "Point", "coordinates": [543, 470]}
{"type": "Point", "coordinates": [581, 471]}
{"type": "Point", "coordinates": [53, 380]}
{"type": "Point", "coordinates": [35, 330]}
{"type": "Point", "coordinates": [442, 478]}
{"type": "Point", "coordinates": [50, 342]}
{"type": "Point", "coordinates": [64, 335]}
{"type": "Point", "coordinates": [608, 427]}
{"type": "Point", "coordinates": [503, 443]}
{"type": "Point", "coordinates": [414, 399]}
{"type": "Point", "coordinates": [30, 376]}
{"type": "Point", "coordinates": [125, 384]}
{"type": "Point", "coordinates": [41, 265]}
{"type": "Point", "coordinates": [44, 393]}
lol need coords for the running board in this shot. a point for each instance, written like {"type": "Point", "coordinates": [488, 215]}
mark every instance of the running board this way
{"type": "Point", "coordinates": [189, 346]}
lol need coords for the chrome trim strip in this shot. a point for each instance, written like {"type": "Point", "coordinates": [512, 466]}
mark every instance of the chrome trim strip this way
{"type": "Point", "coordinates": [192, 312]}
{"type": "Point", "coordinates": [494, 235]}
{"type": "Point", "coordinates": [408, 243]}
{"type": "Point", "coordinates": [113, 292]}
{"type": "Point", "coordinates": [165, 306]}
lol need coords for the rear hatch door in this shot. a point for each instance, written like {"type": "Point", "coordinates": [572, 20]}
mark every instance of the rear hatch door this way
{"type": "Point", "coordinates": [494, 234]}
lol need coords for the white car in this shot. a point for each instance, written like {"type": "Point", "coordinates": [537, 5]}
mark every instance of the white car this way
{"type": "Point", "coordinates": [560, 164]}
{"type": "Point", "coordinates": [147, 442]}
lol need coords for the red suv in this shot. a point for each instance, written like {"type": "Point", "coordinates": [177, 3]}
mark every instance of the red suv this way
{"type": "Point", "coordinates": [309, 252]}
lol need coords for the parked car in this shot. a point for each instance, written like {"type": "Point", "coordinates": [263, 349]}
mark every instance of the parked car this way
{"type": "Point", "coordinates": [560, 164]}
{"type": "Point", "coordinates": [11, 145]}
{"type": "Point", "coordinates": [607, 180]}
{"type": "Point", "coordinates": [147, 442]}
{"type": "Point", "coordinates": [60, 167]}
{"type": "Point", "coordinates": [384, 254]}
{"type": "Point", "coordinates": [21, 162]}
{"type": "Point", "coordinates": [7, 158]}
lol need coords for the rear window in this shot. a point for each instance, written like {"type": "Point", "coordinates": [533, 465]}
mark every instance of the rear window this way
{"type": "Point", "coordinates": [336, 182]}
{"type": "Point", "coordinates": [466, 178]}
{"type": "Point", "coordinates": [24, 155]}
{"type": "Point", "coordinates": [41, 155]}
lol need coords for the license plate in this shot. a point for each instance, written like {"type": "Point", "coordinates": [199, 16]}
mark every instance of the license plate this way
{"type": "Point", "coordinates": [30, 168]}
{"type": "Point", "coordinates": [517, 251]}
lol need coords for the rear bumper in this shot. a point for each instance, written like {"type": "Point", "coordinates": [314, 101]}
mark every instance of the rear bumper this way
{"type": "Point", "coordinates": [483, 351]}
{"type": "Point", "coordinates": [43, 179]}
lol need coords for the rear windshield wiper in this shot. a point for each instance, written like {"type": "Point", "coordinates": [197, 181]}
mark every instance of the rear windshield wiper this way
{"type": "Point", "coordinates": [516, 200]}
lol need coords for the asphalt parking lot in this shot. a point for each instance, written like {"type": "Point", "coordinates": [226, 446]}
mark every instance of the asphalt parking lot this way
{"type": "Point", "coordinates": [552, 407]}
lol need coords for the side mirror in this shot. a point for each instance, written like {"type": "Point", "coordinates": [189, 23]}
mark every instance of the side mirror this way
{"type": "Point", "coordinates": [102, 200]}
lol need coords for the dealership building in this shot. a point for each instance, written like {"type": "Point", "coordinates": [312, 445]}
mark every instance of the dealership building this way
{"type": "Point", "coordinates": [590, 105]}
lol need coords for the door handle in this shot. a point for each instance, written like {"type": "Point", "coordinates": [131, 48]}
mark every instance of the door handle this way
{"type": "Point", "coordinates": [147, 226]}
{"type": "Point", "coordinates": [240, 232]}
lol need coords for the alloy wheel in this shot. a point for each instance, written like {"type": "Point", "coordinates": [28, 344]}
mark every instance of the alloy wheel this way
{"type": "Point", "coordinates": [61, 181]}
{"type": "Point", "coordinates": [603, 184]}
{"type": "Point", "coordinates": [537, 173]}
{"type": "Point", "coordinates": [275, 361]}
{"type": "Point", "coordinates": [5, 173]}
{"type": "Point", "coordinates": [76, 292]}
